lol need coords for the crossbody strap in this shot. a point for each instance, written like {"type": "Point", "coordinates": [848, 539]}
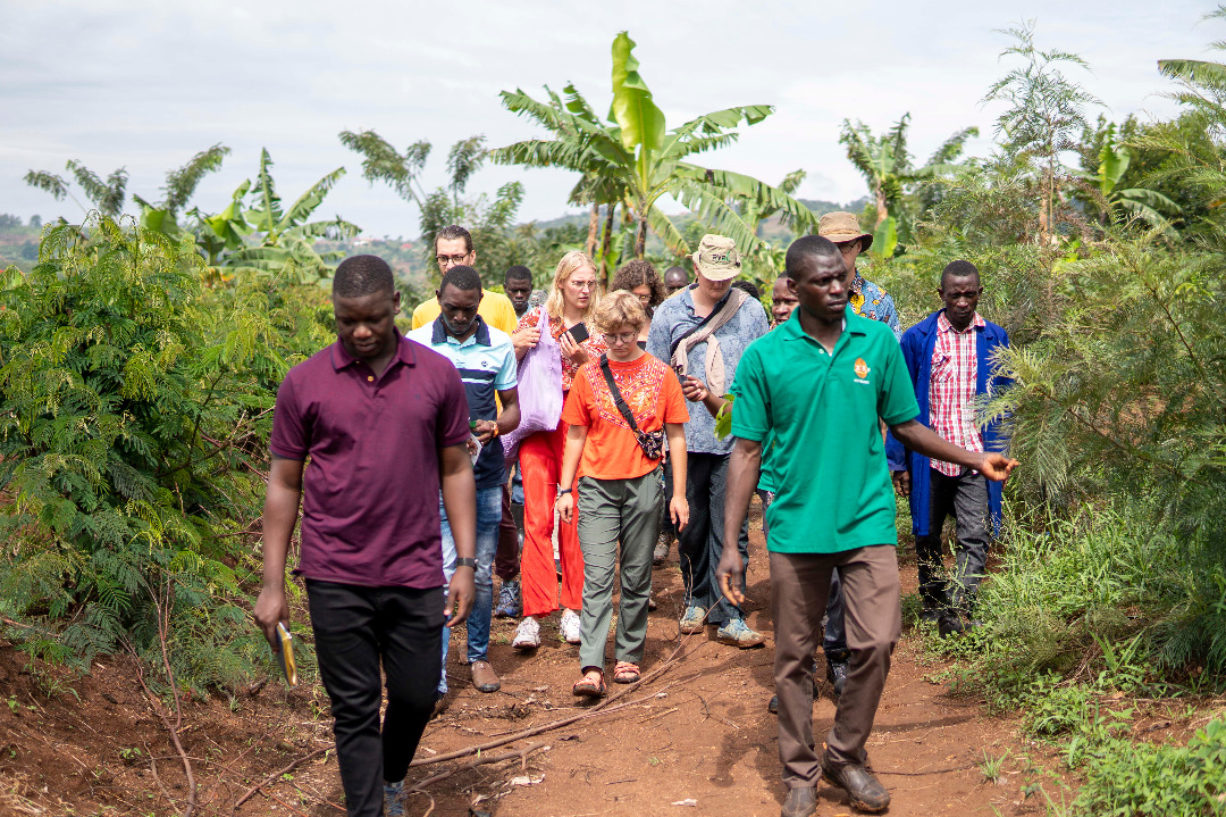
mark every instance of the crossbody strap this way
{"type": "Point", "coordinates": [617, 395]}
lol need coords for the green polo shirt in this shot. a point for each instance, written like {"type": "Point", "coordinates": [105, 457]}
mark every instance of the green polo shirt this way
{"type": "Point", "coordinates": [820, 412]}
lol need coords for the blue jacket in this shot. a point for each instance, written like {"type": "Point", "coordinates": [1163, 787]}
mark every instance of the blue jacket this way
{"type": "Point", "coordinates": [918, 344]}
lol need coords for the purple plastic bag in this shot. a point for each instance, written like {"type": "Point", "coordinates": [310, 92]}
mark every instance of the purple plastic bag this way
{"type": "Point", "coordinates": [540, 390]}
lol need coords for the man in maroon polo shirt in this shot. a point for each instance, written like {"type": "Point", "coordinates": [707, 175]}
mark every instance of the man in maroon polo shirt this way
{"type": "Point", "coordinates": [384, 422]}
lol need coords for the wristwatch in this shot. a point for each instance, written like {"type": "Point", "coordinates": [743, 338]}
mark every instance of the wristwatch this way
{"type": "Point", "coordinates": [464, 561]}
{"type": "Point", "coordinates": [564, 491]}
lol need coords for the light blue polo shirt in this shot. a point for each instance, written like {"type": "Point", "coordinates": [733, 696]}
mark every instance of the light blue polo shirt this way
{"type": "Point", "coordinates": [486, 363]}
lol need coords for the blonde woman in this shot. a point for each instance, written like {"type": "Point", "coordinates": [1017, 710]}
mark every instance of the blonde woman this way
{"type": "Point", "coordinates": [571, 301]}
{"type": "Point", "coordinates": [621, 408]}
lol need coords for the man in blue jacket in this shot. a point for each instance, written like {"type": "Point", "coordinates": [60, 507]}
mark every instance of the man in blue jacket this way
{"type": "Point", "coordinates": [950, 357]}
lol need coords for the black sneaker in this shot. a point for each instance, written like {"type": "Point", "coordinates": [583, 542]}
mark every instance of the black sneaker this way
{"type": "Point", "coordinates": [864, 791]}
{"type": "Point", "coordinates": [836, 674]}
{"type": "Point", "coordinates": [950, 624]}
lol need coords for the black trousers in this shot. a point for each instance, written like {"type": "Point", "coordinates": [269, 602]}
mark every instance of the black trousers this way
{"type": "Point", "coordinates": [965, 497]}
{"type": "Point", "coordinates": [701, 544]}
{"type": "Point", "coordinates": [355, 629]}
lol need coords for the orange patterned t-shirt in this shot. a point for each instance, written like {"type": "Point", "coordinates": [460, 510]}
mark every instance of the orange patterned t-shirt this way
{"type": "Point", "coordinates": [654, 396]}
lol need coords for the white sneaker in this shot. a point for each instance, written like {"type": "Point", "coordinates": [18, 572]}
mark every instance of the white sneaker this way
{"type": "Point", "coordinates": [569, 627]}
{"type": "Point", "coordinates": [527, 635]}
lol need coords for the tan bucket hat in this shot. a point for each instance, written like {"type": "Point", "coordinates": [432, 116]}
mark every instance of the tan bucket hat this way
{"type": "Point", "coordinates": [717, 257]}
{"type": "Point", "coordinates": [843, 227]}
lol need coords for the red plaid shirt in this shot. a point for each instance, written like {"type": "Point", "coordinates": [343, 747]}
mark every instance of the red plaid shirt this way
{"type": "Point", "coordinates": [951, 389]}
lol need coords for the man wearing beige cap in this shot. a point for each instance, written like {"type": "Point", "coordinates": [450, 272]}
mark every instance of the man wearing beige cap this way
{"type": "Point", "coordinates": [702, 332]}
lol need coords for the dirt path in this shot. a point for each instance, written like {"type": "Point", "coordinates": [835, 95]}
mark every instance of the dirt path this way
{"type": "Point", "coordinates": [697, 739]}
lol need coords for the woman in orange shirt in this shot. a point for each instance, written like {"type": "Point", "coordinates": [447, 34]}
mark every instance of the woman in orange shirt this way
{"type": "Point", "coordinates": [619, 411]}
{"type": "Point", "coordinates": [571, 300]}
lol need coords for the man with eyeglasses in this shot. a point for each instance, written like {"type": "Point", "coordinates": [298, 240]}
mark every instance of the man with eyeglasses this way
{"type": "Point", "coordinates": [453, 247]}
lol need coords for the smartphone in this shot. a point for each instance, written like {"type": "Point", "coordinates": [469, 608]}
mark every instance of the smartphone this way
{"type": "Point", "coordinates": [578, 332]}
{"type": "Point", "coordinates": [285, 654]}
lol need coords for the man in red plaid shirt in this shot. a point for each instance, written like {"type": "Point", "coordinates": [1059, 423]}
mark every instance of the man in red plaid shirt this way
{"type": "Point", "coordinates": [949, 356]}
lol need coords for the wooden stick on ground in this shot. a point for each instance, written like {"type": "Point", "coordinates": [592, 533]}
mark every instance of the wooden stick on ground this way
{"type": "Point", "coordinates": [289, 767]}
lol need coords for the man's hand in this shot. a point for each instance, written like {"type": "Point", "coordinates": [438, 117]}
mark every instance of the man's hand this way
{"type": "Point", "coordinates": [525, 339]}
{"type": "Point", "coordinates": [729, 572]}
{"type": "Point", "coordinates": [679, 510]}
{"type": "Point", "coordinates": [997, 467]}
{"type": "Point", "coordinates": [902, 482]}
{"type": "Point", "coordinates": [270, 609]}
{"type": "Point", "coordinates": [694, 389]}
{"type": "Point", "coordinates": [574, 351]}
{"type": "Point", "coordinates": [565, 506]}
{"type": "Point", "coordinates": [460, 593]}
{"type": "Point", "coordinates": [484, 430]}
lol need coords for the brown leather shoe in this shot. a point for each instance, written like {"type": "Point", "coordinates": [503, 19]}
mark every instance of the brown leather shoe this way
{"type": "Point", "coordinates": [864, 791]}
{"type": "Point", "coordinates": [484, 677]}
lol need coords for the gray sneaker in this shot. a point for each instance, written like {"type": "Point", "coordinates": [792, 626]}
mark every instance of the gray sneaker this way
{"type": "Point", "coordinates": [694, 620]}
{"type": "Point", "coordinates": [660, 554]}
{"type": "Point", "coordinates": [739, 634]}
{"type": "Point", "coordinates": [393, 799]}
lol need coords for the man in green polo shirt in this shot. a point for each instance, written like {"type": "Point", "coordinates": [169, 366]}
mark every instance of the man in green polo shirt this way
{"type": "Point", "coordinates": [816, 386]}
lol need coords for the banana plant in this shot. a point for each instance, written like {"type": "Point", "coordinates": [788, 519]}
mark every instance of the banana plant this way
{"type": "Point", "coordinates": [1137, 202]}
{"type": "Point", "coordinates": [630, 155]}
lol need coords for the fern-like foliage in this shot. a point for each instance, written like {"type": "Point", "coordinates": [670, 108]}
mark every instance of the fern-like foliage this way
{"type": "Point", "coordinates": [135, 403]}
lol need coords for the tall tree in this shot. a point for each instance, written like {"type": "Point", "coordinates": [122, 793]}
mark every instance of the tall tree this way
{"type": "Point", "coordinates": [109, 195]}
{"type": "Point", "coordinates": [631, 156]}
{"type": "Point", "coordinates": [488, 220]}
{"type": "Point", "coordinates": [1045, 115]}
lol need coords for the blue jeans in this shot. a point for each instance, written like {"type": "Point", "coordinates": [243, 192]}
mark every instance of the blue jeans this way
{"type": "Point", "coordinates": [489, 515]}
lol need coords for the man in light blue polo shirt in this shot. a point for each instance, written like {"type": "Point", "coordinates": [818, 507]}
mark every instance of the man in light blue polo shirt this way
{"type": "Point", "coordinates": [485, 358]}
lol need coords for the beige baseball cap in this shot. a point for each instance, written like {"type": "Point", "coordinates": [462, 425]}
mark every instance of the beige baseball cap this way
{"type": "Point", "coordinates": [717, 257]}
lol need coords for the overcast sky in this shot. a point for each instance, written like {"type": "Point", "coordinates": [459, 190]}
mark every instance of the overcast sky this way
{"type": "Point", "coordinates": [144, 85]}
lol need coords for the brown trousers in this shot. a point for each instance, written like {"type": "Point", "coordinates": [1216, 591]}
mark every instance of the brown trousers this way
{"type": "Point", "coordinates": [800, 583]}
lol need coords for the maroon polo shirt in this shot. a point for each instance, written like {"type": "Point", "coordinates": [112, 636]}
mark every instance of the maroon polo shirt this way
{"type": "Point", "coordinates": [370, 493]}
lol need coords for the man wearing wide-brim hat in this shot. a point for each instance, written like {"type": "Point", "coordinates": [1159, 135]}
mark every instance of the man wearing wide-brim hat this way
{"type": "Point", "coordinates": [702, 332]}
{"type": "Point", "coordinates": [866, 298]}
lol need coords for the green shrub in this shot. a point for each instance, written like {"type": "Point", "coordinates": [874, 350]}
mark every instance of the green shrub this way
{"type": "Point", "coordinates": [1128, 780]}
{"type": "Point", "coordinates": [134, 412]}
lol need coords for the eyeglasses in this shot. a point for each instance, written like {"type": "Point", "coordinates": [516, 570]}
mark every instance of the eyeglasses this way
{"type": "Point", "coordinates": [444, 260]}
{"type": "Point", "coordinates": [586, 286]}
{"type": "Point", "coordinates": [621, 337]}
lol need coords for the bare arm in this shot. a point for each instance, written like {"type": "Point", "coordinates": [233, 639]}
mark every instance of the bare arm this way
{"type": "Point", "coordinates": [678, 505]}
{"type": "Point", "coordinates": [508, 420]}
{"type": "Point", "coordinates": [280, 516]}
{"type": "Point", "coordinates": [460, 502]}
{"type": "Point", "coordinates": [743, 470]}
{"type": "Point", "coordinates": [576, 437]}
{"type": "Point", "coordinates": [918, 437]}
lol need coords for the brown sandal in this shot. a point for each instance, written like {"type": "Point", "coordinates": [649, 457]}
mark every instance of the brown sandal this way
{"type": "Point", "coordinates": [591, 685]}
{"type": "Point", "coordinates": [626, 673]}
